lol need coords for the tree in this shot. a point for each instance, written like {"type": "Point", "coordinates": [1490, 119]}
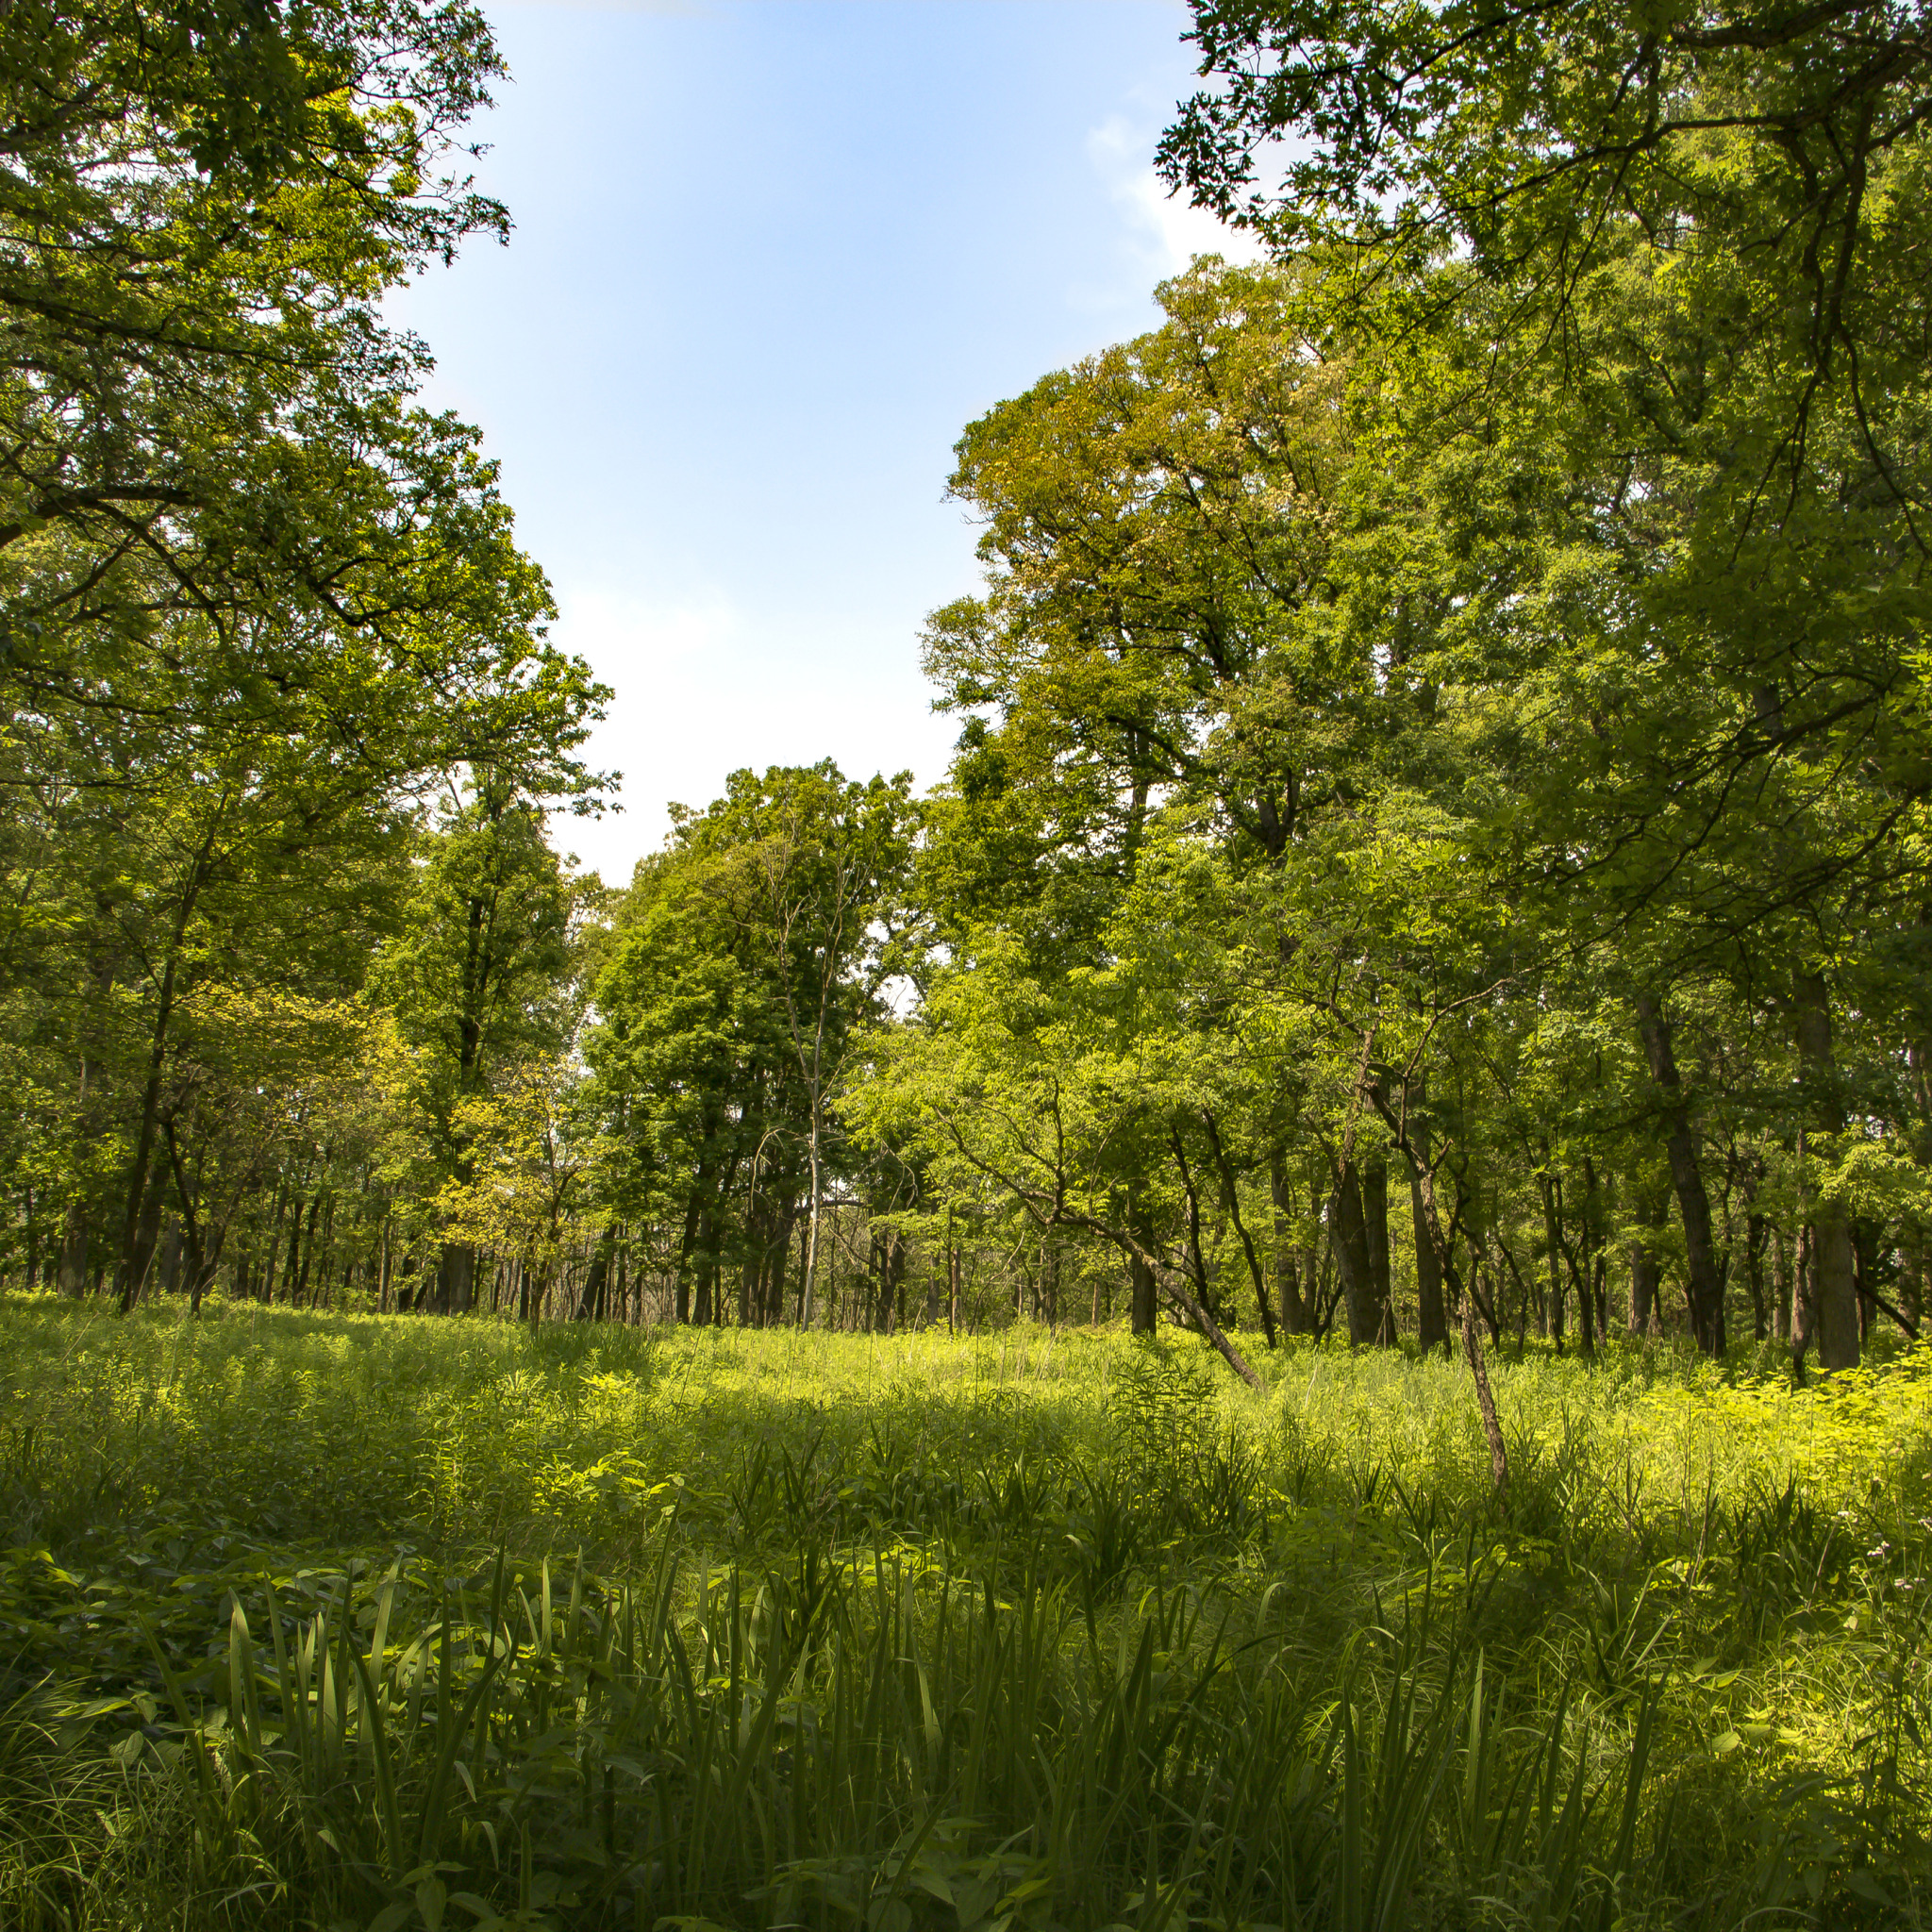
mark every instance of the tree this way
{"type": "Point", "coordinates": [1770, 151]}
{"type": "Point", "coordinates": [200, 207]}
{"type": "Point", "coordinates": [754, 956]}
{"type": "Point", "coordinates": [252, 601]}
{"type": "Point", "coordinates": [1691, 319]}
{"type": "Point", "coordinates": [478, 980]}
{"type": "Point", "coordinates": [693, 1090]}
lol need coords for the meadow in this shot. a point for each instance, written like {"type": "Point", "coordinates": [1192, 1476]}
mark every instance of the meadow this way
{"type": "Point", "coordinates": [341, 1621]}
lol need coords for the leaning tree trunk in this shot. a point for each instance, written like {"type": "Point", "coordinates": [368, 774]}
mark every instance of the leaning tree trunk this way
{"type": "Point", "coordinates": [1200, 1319]}
{"type": "Point", "coordinates": [1438, 1241]}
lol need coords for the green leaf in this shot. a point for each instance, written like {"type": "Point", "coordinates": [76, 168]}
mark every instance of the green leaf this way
{"type": "Point", "coordinates": [430, 1897]}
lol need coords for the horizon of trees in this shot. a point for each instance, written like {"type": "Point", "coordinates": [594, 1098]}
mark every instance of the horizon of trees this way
{"type": "Point", "coordinates": [1436, 847]}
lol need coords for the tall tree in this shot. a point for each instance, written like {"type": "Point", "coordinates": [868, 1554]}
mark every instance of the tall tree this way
{"type": "Point", "coordinates": [479, 976]}
{"type": "Point", "coordinates": [754, 953]}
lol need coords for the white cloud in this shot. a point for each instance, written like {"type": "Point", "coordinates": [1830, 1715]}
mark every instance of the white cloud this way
{"type": "Point", "coordinates": [1165, 231]}
{"type": "Point", "coordinates": [621, 633]}
{"type": "Point", "coordinates": [706, 684]}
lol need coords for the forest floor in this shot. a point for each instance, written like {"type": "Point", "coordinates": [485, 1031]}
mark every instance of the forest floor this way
{"type": "Point", "coordinates": [377, 1622]}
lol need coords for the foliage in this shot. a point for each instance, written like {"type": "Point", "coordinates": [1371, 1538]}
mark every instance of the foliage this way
{"type": "Point", "coordinates": [749, 963]}
{"type": "Point", "coordinates": [255, 603]}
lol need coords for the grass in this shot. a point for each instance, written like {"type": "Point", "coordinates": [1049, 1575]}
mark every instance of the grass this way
{"type": "Point", "coordinates": [383, 1622]}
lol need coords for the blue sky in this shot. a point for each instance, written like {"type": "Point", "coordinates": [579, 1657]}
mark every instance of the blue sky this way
{"type": "Point", "coordinates": [771, 257]}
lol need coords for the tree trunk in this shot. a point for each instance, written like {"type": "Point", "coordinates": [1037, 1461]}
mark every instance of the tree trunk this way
{"type": "Point", "coordinates": [1645, 1272]}
{"type": "Point", "coordinates": [1432, 1319]}
{"type": "Point", "coordinates": [1911, 1268]}
{"type": "Point", "coordinates": [134, 1263]}
{"type": "Point", "coordinates": [1202, 1320]}
{"type": "Point", "coordinates": [812, 1246]}
{"type": "Point", "coordinates": [707, 1270]}
{"type": "Point", "coordinates": [1296, 1317]}
{"type": "Point", "coordinates": [1834, 1288]}
{"type": "Point", "coordinates": [687, 1246]}
{"type": "Point", "coordinates": [73, 1263]}
{"type": "Point", "coordinates": [1865, 1275]}
{"type": "Point", "coordinates": [892, 1283]}
{"type": "Point", "coordinates": [804, 1265]}
{"type": "Point", "coordinates": [456, 1278]}
{"type": "Point", "coordinates": [208, 1260]}
{"type": "Point", "coordinates": [71, 1272]}
{"type": "Point", "coordinates": [748, 1274]}
{"type": "Point", "coordinates": [139, 1259]}
{"type": "Point", "coordinates": [778, 1268]}
{"type": "Point", "coordinates": [300, 1298]}
{"type": "Point", "coordinates": [1705, 1289]}
{"type": "Point", "coordinates": [33, 1238]}
{"type": "Point", "coordinates": [597, 1280]}
{"type": "Point", "coordinates": [135, 1255]}
{"type": "Point", "coordinates": [1438, 1241]}
{"type": "Point", "coordinates": [291, 1260]}
{"type": "Point", "coordinates": [1804, 1294]}
{"type": "Point", "coordinates": [1553, 1242]}
{"type": "Point", "coordinates": [173, 1243]}
{"type": "Point", "coordinates": [1485, 1399]}
{"type": "Point", "coordinates": [1588, 1275]}
{"type": "Point", "coordinates": [1197, 1266]}
{"type": "Point", "coordinates": [1376, 1219]}
{"type": "Point", "coordinates": [1780, 1289]}
{"type": "Point", "coordinates": [1350, 1239]}
{"type": "Point", "coordinates": [1142, 1301]}
{"type": "Point", "coordinates": [1756, 1229]}
{"type": "Point", "coordinates": [1230, 1201]}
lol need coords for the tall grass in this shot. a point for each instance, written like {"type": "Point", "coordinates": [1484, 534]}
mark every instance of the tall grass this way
{"type": "Point", "coordinates": [871, 1743]}
{"type": "Point", "coordinates": [320, 1622]}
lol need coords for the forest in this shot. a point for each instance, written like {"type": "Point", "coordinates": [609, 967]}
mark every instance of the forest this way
{"type": "Point", "coordinates": [1295, 1298]}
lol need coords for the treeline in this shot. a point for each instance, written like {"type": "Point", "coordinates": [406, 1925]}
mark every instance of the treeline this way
{"type": "Point", "coordinates": [1436, 841]}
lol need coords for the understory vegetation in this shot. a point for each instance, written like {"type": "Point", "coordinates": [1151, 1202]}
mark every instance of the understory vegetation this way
{"type": "Point", "coordinates": [321, 1621]}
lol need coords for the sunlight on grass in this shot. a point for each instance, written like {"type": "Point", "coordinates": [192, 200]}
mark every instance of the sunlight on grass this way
{"type": "Point", "coordinates": [357, 1620]}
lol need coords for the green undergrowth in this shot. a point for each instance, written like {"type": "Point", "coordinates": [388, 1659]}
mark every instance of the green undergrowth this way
{"type": "Point", "coordinates": [329, 1621]}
